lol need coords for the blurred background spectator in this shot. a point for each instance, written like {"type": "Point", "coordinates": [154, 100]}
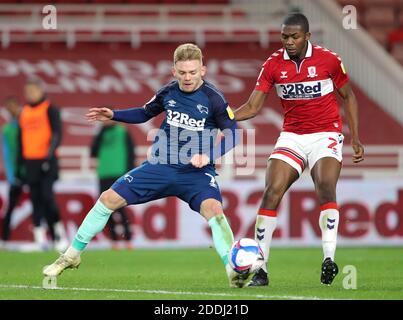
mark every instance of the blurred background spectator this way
{"type": "Point", "coordinates": [113, 148]}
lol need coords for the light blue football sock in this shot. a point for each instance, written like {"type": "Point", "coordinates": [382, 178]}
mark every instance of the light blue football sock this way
{"type": "Point", "coordinates": [93, 223]}
{"type": "Point", "coordinates": [223, 237]}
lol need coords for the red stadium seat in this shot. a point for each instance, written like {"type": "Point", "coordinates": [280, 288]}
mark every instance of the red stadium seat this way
{"type": "Point", "coordinates": [212, 1]}
{"type": "Point", "coordinates": [355, 3]}
{"type": "Point", "coordinates": [71, 1]}
{"type": "Point", "coordinates": [380, 34]}
{"type": "Point", "coordinates": [19, 34]}
{"type": "Point", "coordinates": [181, 35]}
{"type": "Point", "coordinates": [238, 14]}
{"type": "Point", "coordinates": [400, 18]}
{"type": "Point", "coordinates": [251, 35]}
{"type": "Point", "coordinates": [81, 14]}
{"type": "Point", "coordinates": [177, 1]}
{"type": "Point", "coordinates": [215, 35]}
{"type": "Point", "coordinates": [115, 33]}
{"type": "Point", "coordinates": [395, 36]}
{"type": "Point", "coordinates": [199, 14]}
{"type": "Point", "coordinates": [49, 33]}
{"type": "Point", "coordinates": [378, 3]}
{"type": "Point", "coordinates": [131, 13]}
{"type": "Point", "coordinates": [142, 1]}
{"type": "Point", "coordinates": [149, 35]}
{"type": "Point", "coordinates": [83, 34]}
{"type": "Point", "coordinates": [379, 16]}
{"type": "Point", "coordinates": [397, 51]}
{"type": "Point", "coordinates": [15, 13]}
{"type": "Point", "coordinates": [107, 1]}
{"type": "Point", "coordinates": [34, 2]}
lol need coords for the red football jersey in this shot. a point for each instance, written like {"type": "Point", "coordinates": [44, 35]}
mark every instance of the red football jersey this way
{"type": "Point", "coordinates": [307, 92]}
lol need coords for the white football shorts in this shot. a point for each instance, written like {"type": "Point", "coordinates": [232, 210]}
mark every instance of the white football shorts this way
{"type": "Point", "coordinates": [301, 150]}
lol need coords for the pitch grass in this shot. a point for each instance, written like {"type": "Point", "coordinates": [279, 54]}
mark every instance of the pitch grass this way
{"type": "Point", "coordinates": [194, 274]}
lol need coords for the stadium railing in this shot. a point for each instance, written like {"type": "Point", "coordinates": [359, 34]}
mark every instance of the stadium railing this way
{"type": "Point", "coordinates": [135, 23]}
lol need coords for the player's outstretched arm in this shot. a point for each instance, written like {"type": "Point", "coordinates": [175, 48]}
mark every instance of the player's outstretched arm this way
{"type": "Point", "coordinates": [133, 115]}
{"type": "Point", "coordinates": [99, 114]}
{"type": "Point", "coordinates": [351, 110]}
{"type": "Point", "coordinates": [252, 107]}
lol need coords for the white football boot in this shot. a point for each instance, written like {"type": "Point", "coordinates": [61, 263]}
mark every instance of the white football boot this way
{"type": "Point", "coordinates": [61, 245]}
{"type": "Point", "coordinates": [62, 263]}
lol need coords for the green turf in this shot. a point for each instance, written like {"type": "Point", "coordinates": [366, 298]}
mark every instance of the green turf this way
{"type": "Point", "coordinates": [199, 274]}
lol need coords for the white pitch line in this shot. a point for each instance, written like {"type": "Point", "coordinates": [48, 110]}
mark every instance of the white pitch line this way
{"type": "Point", "coordinates": [258, 296]}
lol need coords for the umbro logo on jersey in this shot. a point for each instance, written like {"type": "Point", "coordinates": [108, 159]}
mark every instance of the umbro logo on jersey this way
{"type": "Point", "coordinates": [283, 75]}
{"type": "Point", "coordinates": [172, 103]}
{"type": "Point", "coordinates": [202, 108]}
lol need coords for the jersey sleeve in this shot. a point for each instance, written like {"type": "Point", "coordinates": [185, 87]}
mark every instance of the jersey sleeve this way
{"type": "Point", "coordinates": [337, 71]}
{"type": "Point", "coordinates": [224, 118]}
{"type": "Point", "coordinates": [264, 81]}
{"type": "Point", "coordinates": [223, 115]}
{"type": "Point", "coordinates": [56, 125]}
{"type": "Point", "coordinates": [155, 105]}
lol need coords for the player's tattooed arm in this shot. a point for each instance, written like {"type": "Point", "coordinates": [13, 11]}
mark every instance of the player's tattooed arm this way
{"type": "Point", "coordinates": [252, 107]}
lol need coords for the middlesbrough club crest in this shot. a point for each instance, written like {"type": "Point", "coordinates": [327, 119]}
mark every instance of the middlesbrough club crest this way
{"type": "Point", "coordinates": [312, 72]}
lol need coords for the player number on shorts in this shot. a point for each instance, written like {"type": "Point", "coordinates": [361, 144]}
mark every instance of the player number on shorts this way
{"type": "Point", "coordinates": [333, 144]}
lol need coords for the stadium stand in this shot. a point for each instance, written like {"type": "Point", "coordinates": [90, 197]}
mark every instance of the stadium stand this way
{"type": "Point", "coordinates": [384, 21]}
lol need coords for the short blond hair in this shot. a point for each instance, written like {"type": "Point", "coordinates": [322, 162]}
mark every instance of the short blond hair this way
{"type": "Point", "coordinates": [187, 51]}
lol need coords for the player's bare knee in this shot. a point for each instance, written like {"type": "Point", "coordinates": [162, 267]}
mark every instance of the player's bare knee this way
{"type": "Point", "coordinates": [326, 191]}
{"type": "Point", "coordinates": [211, 208]}
{"type": "Point", "coordinates": [111, 200]}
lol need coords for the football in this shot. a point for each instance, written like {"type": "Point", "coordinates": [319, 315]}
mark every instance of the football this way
{"type": "Point", "coordinates": [245, 256]}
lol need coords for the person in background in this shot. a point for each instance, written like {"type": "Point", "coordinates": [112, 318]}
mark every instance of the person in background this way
{"type": "Point", "coordinates": [114, 149]}
{"type": "Point", "coordinates": [40, 135]}
{"type": "Point", "coordinates": [10, 156]}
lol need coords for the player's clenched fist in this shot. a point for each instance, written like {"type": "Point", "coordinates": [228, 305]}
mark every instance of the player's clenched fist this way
{"type": "Point", "coordinates": [99, 114]}
{"type": "Point", "coordinates": [199, 160]}
{"type": "Point", "coordinates": [358, 155]}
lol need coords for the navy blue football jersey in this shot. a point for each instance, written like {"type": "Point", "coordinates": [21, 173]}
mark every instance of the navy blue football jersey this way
{"type": "Point", "coordinates": [191, 122]}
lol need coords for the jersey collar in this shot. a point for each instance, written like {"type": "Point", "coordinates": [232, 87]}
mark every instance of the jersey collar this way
{"type": "Point", "coordinates": [308, 53]}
